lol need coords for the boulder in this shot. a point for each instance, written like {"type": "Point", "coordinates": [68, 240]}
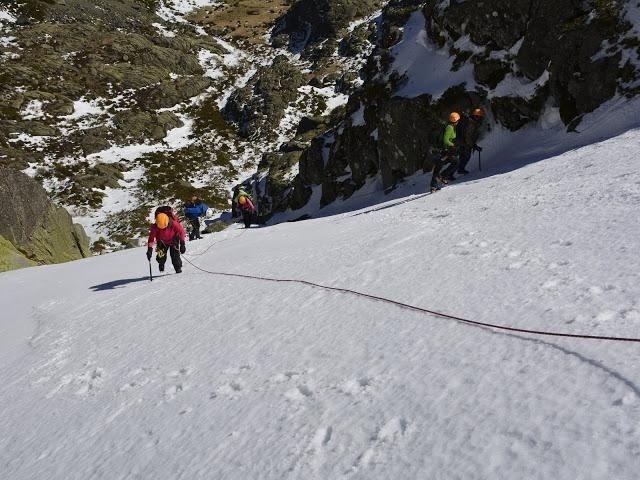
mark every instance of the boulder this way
{"type": "Point", "coordinates": [11, 258]}
{"type": "Point", "coordinates": [41, 231]}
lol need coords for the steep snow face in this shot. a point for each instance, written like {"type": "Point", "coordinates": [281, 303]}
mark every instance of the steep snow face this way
{"type": "Point", "coordinates": [108, 375]}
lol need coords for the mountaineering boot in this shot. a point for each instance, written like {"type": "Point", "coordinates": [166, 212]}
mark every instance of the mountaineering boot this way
{"type": "Point", "coordinates": [161, 267]}
{"type": "Point", "coordinates": [178, 270]}
{"type": "Point", "coordinates": [435, 188]}
{"type": "Point", "coordinates": [463, 171]}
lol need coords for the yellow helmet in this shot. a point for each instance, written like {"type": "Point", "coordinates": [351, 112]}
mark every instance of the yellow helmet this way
{"type": "Point", "coordinates": [162, 221]}
{"type": "Point", "coordinates": [478, 112]}
{"type": "Point", "coordinates": [242, 200]}
{"type": "Point", "coordinates": [454, 117]}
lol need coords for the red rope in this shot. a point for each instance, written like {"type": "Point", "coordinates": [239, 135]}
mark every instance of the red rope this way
{"type": "Point", "coordinates": [419, 309]}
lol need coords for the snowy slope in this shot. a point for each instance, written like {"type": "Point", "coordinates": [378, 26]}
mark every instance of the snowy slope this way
{"type": "Point", "coordinates": [107, 375]}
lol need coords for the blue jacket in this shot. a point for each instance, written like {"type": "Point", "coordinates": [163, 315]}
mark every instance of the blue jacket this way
{"type": "Point", "coordinates": [195, 210]}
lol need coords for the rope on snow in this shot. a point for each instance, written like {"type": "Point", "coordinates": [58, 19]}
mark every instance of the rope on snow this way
{"type": "Point", "coordinates": [414, 308]}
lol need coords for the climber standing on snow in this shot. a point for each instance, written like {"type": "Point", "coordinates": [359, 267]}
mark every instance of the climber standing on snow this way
{"type": "Point", "coordinates": [469, 135]}
{"type": "Point", "coordinates": [243, 202]}
{"type": "Point", "coordinates": [193, 210]}
{"type": "Point", "coordinates": [169, 236]}
{"type": "Point", "coordinates": [449, 153]}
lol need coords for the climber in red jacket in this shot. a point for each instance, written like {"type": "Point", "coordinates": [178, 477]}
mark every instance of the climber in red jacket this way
{"type": "Point", "coordinates": [170, 237]}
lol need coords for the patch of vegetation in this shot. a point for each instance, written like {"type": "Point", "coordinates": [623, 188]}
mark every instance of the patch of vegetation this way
{"type": "Point", "coordinates": [81, 184]}
{"type": "Point", "coordinates": [207, 117]}
{"type": "Point", "coordinates": [259, 107]}
{"type": "Point", "coordinates": [36, 9]}
{"type": "Point", "coordinates": [606, 8]}
{"type": "Point", "coordinates": [171, 176]}
{"type": "Point", "coordinates": [121, 227]}
{"type": "Point", "coordinates": [241, 20]}
{"type": "Point", "coordinates": [216, 227]}
{"type": "Point", "coordinates": [150, 5]}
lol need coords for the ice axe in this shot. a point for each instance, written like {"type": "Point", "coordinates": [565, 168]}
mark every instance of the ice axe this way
{"type": "Point", "coordinates": [479, 162]}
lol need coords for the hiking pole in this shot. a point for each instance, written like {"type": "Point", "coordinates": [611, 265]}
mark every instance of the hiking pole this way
{"type": "Point", "coordinates": [150, 272]}
{"type": "Point", "coordinates": [479, 162]}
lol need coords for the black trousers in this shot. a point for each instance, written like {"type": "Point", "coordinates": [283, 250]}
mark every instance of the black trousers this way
{"type": "Point", "coordinates": [162, 250]}
{"type": "Point", "coordinates": [451, 160]}
{"type": "Point", "coordinates": [247, 218]}
{"type": "Point", "coordinates": [195, 228]}
{"type": "Point", "coordinates": [465, 156]}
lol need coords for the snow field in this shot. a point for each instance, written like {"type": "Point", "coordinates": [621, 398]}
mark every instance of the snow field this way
{"type": "Point", "coordinates": [201, 376]}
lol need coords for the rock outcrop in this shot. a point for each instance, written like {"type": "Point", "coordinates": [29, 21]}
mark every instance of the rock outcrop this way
{"type": "Point", "coordinates": [309, 22]}
{"type": "Point", "coordinates": [39, 231]}
{"type": "Point", "coordinates": [573, 55]}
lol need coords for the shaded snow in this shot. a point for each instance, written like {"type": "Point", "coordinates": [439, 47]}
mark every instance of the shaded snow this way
{"type": "Point", "coordinates": [519, 86]}
{"type": "Point", "coordinates": [428, 68]}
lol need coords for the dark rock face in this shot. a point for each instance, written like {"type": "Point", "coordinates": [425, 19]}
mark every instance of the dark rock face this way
{"type": "Point", "coordinates": [560, 37]}
{"type": "Point", "coordinates": [257, 108]}
{"type": "Point", "coordinates": [40, 231]}
{"type": "Point", "coordinates": [311, 21]}
{"type": "Point", "coordinates": [557, 44]}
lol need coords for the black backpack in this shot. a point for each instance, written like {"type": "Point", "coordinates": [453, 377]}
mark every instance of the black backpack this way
{"type": "Point", "coordinates": [461, 129]}
{"type": "Point", "coordinates": [436, 134]}
{"type": "Point", "coordinates": [167, 210]}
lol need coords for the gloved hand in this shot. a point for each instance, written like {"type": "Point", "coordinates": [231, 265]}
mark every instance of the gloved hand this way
{"type": "Point", "coordinates": [183, 248]}
{"type": "Point", "coordinates": [149, 253]}
{"type": "Point", "coordinates": [477, 148]}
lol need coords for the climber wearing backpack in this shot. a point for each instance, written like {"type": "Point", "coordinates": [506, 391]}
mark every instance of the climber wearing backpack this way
{"type": "Point", "coordinates": [170, 237]}
{"type": "Point", "coordinates": [245, 205]}
{"type": "Point", "coordinates": [193, 210]}
{"type": "Point", "coordinates": [469, 139]}
{"type": "Point", "coordinates": [449, 153]}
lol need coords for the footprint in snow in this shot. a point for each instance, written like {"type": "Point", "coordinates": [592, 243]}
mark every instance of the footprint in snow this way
{"type": "Point", "coordinates": [284, 377]}
{"type": "Point", "coordinates": [299, 394]}
{"type": "Point", "coordinates": [171, 392]}
{"type": "Point", "coordinates": [606, 316]}
{"type": "Point", "coordinates": [87, 382]}
{"type": "Point", "coordinates": [388, 436]}
{"type": "Point", "coordinates": [231, 390]}
{"type": "Point", "coordinates": [551, 284]}
{"type": "Point", "coordinates": [179, 386]}
{"type": "Point", "coordinates": [358, 386]}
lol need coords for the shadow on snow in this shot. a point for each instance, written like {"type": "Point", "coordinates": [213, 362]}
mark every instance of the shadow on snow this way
{"type": "Point", "coordinates": [118, 283]}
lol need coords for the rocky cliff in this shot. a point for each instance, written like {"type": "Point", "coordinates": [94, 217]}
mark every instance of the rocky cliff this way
{"type": "Point", "coordinates": [115, 106]}
{"type": "Point", "coordinates": [32, 229]}
{"type": "Point", "coordinates": [516, 60]}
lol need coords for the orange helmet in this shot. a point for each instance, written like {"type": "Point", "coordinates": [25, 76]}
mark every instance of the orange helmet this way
{"type": "Point", "coordinates": [242, 200]}
{"type": "Point", "coordinates": [478, 112]}
{"type": "Point", "coordinates": [454, 117]}
{"type": "Point", "coordinates": [162, 221]}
